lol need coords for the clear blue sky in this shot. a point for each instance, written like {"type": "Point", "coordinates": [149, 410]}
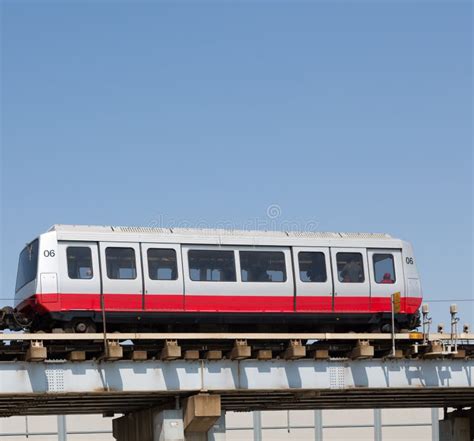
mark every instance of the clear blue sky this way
{"type": "Point", "coordinates": [355, 116]}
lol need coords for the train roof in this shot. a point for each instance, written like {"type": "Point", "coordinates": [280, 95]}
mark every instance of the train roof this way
{"type": "Point", "coordinates": [219, 236]}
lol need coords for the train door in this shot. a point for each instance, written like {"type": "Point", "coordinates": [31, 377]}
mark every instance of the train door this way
{"type": "Point", "coordinates": [386, 277]}
{"type": "Point", "coordinates": [163, 277]}
{"type": "Point", "coordinates": [79, 281]}
{"type": "Point", "coordinates": [351, 279]}
{"type": "Point", "coordinates": [238, 279]}
{"type": "Point", "coordinates": [313, 281]}
{"type": "Point", "coordinates": [122, 284]}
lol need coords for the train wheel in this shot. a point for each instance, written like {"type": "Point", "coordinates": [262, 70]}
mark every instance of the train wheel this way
{"type": "Point", "coordinates": [386, 327]}
{"type": "Point", "coordinates": [80, 326]}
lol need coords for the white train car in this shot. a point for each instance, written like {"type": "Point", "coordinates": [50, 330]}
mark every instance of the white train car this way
{"type": "Point", "coordinates": [178, 278]}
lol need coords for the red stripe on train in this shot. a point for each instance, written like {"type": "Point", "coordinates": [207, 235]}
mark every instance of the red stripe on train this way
{"type": "Point", "coordinates": [208, 303]}
{"type": "Point", "coordinates": [239, 303]}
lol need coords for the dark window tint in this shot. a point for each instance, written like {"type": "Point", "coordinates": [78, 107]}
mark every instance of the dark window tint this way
{"type": "Point", "coordinates": [262, 266]}
{"type": "Point", "coordinates": [27, 265]}
{"type": "Point", "coordinates": [162, 264]}
{"type": "Point", "coordinates": [312, 266]}
{"type": "Point", "coordinates": [350, 268]}
{"type": "Point", "coordinates": [384, 268]}
{"type": "Point", "coordinates": [79, 262]}
{"type": "Point", "coordinates": [120, 263]}
{"type": "Point", "coordinates": [211, 266]}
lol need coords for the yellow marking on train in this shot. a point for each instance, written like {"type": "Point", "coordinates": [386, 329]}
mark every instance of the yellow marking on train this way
{"type": "Point", "coordinates": [397, 303]}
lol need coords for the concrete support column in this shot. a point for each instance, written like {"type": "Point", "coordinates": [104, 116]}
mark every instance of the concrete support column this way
{"type": "Point", "coordinates": [168, 426]}
{"type": "Point", "coordinates": [199, 416]}
{"type": "Point", "coordinates": [218, 430]}
{"type": "Point", "coordinates": [457, 426]}
{"type": "Point", "coordinates": [150, 425]}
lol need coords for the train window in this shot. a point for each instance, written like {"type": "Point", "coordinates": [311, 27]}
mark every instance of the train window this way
{"type": "Point", "coordinates": [79, 262]}
{"type": "Point", "coordinates": [262, 266]}
{"type": "Point", "coordinates": [27, 265]}
{"type": "Point", "coordinates": [120, 263]}
{"type": "Point", "coordinates": [384, 268]}
{"type": "Point", "coordinates": [162, 264]}
{"type": "Point", "coordinates": [211, 266]}
{"type": "Point", "coordinates": [312, 266]}
{"type": "Point", "coordinates": [350, 267]}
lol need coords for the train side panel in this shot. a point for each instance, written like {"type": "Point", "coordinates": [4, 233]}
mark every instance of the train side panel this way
{"type": "Point", "coordinates": [48, 271]}
{"type": "Point", "coordinates": [41, 293]}
{"type": "Point", "coordinates": [414, 293]}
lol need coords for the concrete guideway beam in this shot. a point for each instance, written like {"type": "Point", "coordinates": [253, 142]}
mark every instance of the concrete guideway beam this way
{"type": "Point", "coordinates": [125, 386]}
{"type": "Point", "coordinates": [232, 375]}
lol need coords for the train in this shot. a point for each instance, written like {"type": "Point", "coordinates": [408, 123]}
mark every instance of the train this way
{"type": "Point", "coordinates": [84, 278]}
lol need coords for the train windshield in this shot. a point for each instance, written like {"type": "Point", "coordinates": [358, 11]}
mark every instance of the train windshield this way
{"type": "Point", "coordinates": [27, 265]}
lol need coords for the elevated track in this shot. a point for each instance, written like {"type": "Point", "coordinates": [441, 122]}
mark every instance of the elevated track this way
{"type": "Point", "coordinates": [19, 346]}
{"type": "Point", "coordinates": [125, 386]}
{"type": "Point", "coordinates": [44, 373]}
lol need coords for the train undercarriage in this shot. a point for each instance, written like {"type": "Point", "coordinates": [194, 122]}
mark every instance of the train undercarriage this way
{"type": "Point", "coordinates": [118, 321]}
